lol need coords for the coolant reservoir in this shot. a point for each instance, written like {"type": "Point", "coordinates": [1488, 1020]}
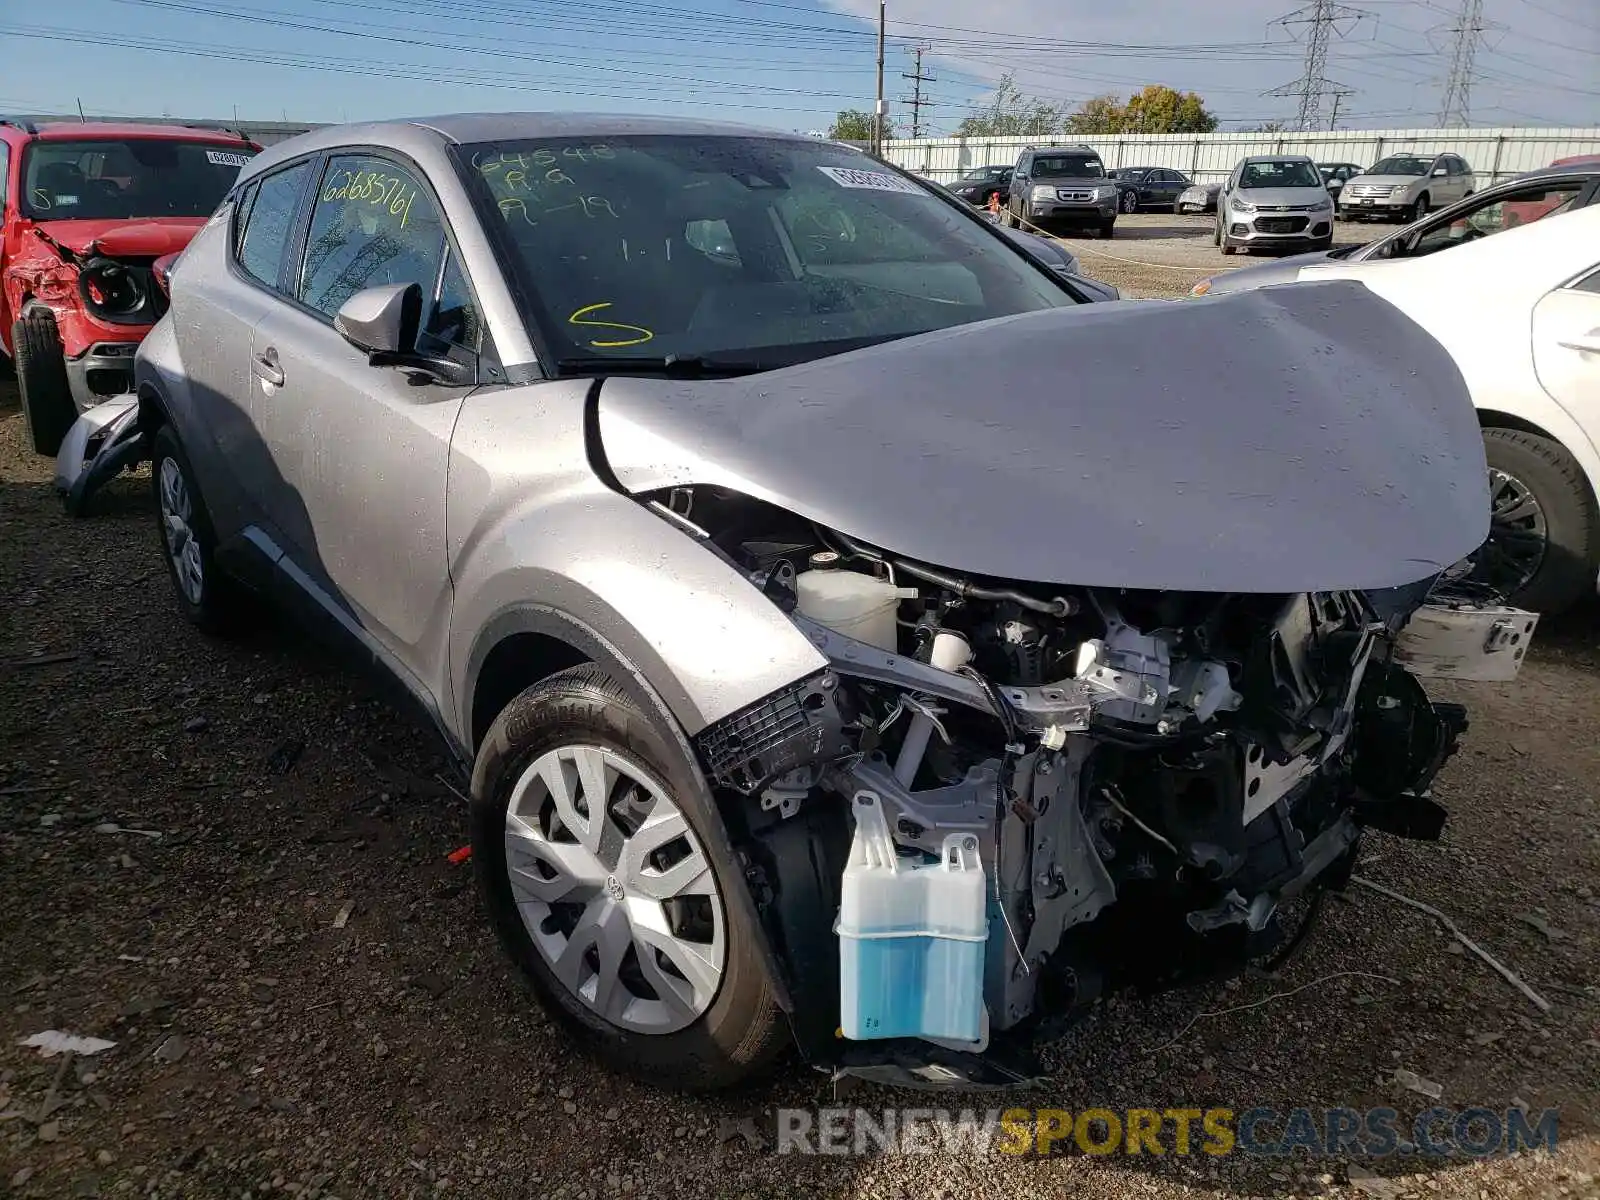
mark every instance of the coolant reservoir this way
{"type": "Point", "coordinates": [848, 602]}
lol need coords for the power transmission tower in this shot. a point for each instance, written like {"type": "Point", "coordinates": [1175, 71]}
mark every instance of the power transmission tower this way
{"type": "Point", "coordinates": [916, 102]}
{"type": "Point", "coordinates": [1326, 20]}
{"type": "Point", "coordinates": [1466, 33]}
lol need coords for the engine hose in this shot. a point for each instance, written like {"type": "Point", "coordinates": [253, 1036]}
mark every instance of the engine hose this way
{"type": "Point", "coordinates": [1059, 606]}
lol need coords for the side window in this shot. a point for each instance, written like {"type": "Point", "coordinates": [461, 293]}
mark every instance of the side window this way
{"type": "Point", "coordinates": [269, 223]}
{"type": "Point", "coordinates": [5, 174]}
{"type": "Point", "coordinates": [241, 215]}
{"type": "Point", "coordinates": [452, 320]}
{"type": "Point", "coordinates": [372, 223]}
{"type": "Point", "coordinates": [1505, 212]}
{"type": "Point", "coordinates": [1589, 283]}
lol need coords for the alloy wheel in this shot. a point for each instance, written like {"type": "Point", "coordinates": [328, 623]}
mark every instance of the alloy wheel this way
{"type": "Point", "coordinates": [177, 524]}
{"type": "Point", "coordinates": [1130, 202]}
{"type": "Point", "coordinates": [1519, 536]}
{"type": "Point", "coordinates": [615, 890]}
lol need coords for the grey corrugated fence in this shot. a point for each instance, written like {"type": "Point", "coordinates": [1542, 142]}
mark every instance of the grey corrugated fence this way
{"type": "Point", "coordinates": [1494, 154]}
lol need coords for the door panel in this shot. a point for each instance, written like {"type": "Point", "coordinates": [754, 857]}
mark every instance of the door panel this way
{"type": "Point", "coordinates": [1566, 351]}
{"type": "Point", "coordinates": [360, 456]}
{"type": "Point", "coordinates": [360, 451]}
{"type": "Point", "coordinates": [213, 314]}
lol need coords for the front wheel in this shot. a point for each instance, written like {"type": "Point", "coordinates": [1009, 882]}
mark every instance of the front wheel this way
{"type": "Point", "coordinates": [1419, 209]}
{"type": "Point", "coordinates": [47, 409]}
{"type": "Point", "coordinates": [1130, 202]}
{"type": "Point", "coordinates": [1008, 219]}
{"type": "Point", "coordinates": [590, 837]}
{"type": "Point", "coordinates": [1543, 550]}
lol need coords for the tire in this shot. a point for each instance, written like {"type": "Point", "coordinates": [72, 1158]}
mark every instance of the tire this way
{"type": "Point", "coordinates": [1107, 230]}
{"type": "Point", "coordinates": [724, 1032]}
{"type": "Point", "coordinates": [213, 601]}
{"type": "Point", "coordinates": [1323, 245]}
{"type": "Point", "coordinates": [1008, 219]}
{"type": "Point", "coordinates": [47, 408]}
{"type": "Point", "coordinates": [1216, 234]}
{"type": "Point", "coordinates": [1129, 202]}
{"type": "Point", "coordinates": [1571, 519]}
{"type": "Point", "coordinates": [1418, 210]}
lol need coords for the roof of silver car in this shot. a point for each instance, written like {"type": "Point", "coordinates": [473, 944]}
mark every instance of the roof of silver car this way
{"type": "Point", "coordinates": [467, 128]}
{"type": "Point", "coordinates": [492, 127]}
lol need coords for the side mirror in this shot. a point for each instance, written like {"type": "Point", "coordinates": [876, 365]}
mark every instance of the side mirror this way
{"type": "Point", "coordinates": [382, 321]}
{"type": "Point", "coordinates": [1438, 171]}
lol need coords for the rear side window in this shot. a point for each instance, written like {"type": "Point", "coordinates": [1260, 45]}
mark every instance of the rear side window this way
{"type": "Point", "coordinates": [372, 223]}
{"type": "Point", "coordinates": [267, 222]}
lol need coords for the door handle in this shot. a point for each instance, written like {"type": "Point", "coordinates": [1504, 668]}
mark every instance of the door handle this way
{"type": "Point", "coordinates": [265, 365]}
{"type": "Point", "coordinates": [1588, 343]}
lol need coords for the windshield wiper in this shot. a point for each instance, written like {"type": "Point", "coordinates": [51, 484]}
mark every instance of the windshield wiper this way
{"type": "Point", "coordinates": [674, 366]}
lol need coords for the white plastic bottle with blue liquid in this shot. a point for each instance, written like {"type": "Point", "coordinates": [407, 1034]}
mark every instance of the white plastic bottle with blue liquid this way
{"type": "Point", "coordinates": [911, 936]}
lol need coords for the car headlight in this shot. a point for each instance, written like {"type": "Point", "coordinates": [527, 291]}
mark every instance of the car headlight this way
{"type": "Point", "coordinates": [1325, 205]}
{"type": "Point", "coordinates": [116, 292]}
{"type": "Point", "coordinates": [1043, 193]}
{"type": "Point", "coordinates": [1105, 193]}
{"type": "Point", "coordinates": [1400, 189]}
{"type": "Point", "coordinates": [1243, 206]}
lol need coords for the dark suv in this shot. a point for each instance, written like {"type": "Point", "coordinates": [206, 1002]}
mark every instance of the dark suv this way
{"type": "Point", "coordinates": [1062, 186]}
{"type": "Point", "coordinates": [89, 210]}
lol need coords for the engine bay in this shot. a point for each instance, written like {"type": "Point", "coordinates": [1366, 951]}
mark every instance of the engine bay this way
{"type": "Point", "coordinates": [1101, 788]}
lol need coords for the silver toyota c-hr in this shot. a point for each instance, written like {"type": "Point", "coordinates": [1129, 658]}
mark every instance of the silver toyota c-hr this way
{"type": "Point", "coordinates": [856, 640]}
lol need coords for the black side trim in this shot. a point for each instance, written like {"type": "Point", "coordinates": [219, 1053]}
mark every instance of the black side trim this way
{"type": "Point", "coordinates": [593, 447]}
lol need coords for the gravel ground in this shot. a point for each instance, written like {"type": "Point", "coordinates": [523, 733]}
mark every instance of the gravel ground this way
{"type": "Point", "coordinates": [305, 999]}
{"type": "Point", "coordinates": [1163, 255]}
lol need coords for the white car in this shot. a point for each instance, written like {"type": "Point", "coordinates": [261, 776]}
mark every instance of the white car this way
{"type": "Point", "coordinates": [1520, 314]}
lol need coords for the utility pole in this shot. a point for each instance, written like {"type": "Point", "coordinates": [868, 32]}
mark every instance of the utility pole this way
{"type": "Point", "coordinates": [917, 102]}
{"type": "Point", "coordinates": [1467, 32]}
{"type": "Point", "coordinates": [1339, 93]}
{"type": "Point", "coordinates": [1327, 20]}
{"type": "Point", "coordinates": [882, 108]}
{"type": "Point", "coordinates": [81, 117]}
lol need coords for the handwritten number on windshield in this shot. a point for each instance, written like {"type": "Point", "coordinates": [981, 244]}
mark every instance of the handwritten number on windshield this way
{"type": "Point", "coordinates": [392, 192]}
{"type": "Point", "coordinates": [639, 334]}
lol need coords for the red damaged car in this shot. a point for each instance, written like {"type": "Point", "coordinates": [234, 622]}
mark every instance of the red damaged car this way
{"type": "Point", "coordinates": [90, 209]}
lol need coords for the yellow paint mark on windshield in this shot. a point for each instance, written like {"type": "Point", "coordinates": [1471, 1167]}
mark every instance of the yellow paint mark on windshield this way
{"type": "Point", "coordinates": [577, 318]}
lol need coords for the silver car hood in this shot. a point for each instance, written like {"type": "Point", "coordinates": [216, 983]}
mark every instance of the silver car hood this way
{"type": "Point", "coordinates": [1292, 439]}
{"type": "Point", "coordinates": [1283, 196]}
{"type": "Point", "coordinates": [1387, 180]}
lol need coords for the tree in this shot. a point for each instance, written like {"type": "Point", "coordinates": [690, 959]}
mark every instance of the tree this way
{"type": "Point", "coordinates": [853, 125]}
{"type": "Point", "coordinates": [1011, 114]}
{"type": "Point", "coordinates": [1160, 109]}
{"type": "Point", "coordinates": [1100, 115]}
{"type": "Point", "coordinates": [1266, 127]}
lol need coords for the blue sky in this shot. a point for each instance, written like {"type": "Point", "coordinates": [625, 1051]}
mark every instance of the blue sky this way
{"type": "Point", "coordinates": [786, 63]}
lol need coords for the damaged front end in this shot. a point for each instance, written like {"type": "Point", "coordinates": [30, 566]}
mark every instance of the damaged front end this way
{"type": "Point", "coordinates": [1001, 801]}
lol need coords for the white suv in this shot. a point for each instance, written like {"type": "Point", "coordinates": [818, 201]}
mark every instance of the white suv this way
{"type": "Point", "coordinates": [1407, 187]}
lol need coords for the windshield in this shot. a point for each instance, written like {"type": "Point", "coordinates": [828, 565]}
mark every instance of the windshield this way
{"type": "Point", "coordinates": [139, 177]}
{"type": "Point", "coordinates": [1287, 173]}
{"type": "Point", "coordinates": [986, 175]}
{"type": "Point", "coordinates": [1068, 166]}
{"type": "Point", "coordinates": [1132, 174]}
{"type": "Point", "coordinates": [1401, 166]}
{"type": "Point", "coordinates": [751, 247]}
